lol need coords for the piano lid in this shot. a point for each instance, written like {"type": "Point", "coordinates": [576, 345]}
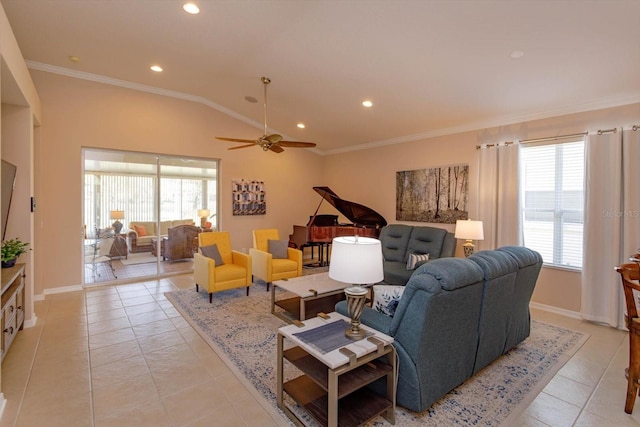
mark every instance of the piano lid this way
{"type": "Point", "coordinates": [355, 212]}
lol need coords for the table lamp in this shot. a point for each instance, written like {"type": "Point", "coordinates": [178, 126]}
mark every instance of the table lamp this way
{"type": "Point", "coordinates": [117, 225]}
{"type": "Point", "coordinates": [203, 214]}
{"type": "Point", "coordinates": [470, 231]}
{"type": "Point", "coordinates": [356, 260]}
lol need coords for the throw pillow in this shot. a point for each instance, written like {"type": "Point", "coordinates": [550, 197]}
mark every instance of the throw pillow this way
{"type": "Point", "coordinates": [141, 230]}
{"type": "Point", "coordinates": [386, 298]}
{"type": "Point", "coordinates": [212, 252]}
{"type": "Point", "coordinates": [416, 260]}
{"type": "Point", "coordinates": [278, 248]}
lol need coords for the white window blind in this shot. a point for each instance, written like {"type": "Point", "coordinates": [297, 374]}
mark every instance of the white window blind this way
{"type": "Point", "coordinates": [552, 194]}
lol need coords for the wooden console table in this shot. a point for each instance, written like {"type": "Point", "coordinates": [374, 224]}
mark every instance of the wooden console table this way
{"type": "Point", "coordinates": [12, 319]}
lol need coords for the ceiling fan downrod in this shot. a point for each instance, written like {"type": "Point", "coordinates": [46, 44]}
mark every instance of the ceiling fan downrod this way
{"type": "Point", "coordinates": [265, 81]}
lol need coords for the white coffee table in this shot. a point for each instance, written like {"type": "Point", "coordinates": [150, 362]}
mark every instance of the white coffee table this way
{"type": "Point", "coordinates": [312, 294]}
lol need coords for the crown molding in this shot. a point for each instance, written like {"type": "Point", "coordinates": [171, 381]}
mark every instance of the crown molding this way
{"type": "Point", "coordinates": [468, 127]}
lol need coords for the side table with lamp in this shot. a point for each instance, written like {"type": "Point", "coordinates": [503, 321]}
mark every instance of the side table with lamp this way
{"type": "Point", "coordinates": [469, 230]}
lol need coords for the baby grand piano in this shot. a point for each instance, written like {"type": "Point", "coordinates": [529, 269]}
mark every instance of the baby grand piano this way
{"type": "Point", "coordinates": [321, 229]}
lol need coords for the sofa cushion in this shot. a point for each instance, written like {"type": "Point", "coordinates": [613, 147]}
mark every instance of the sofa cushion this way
{"type": "Point", "coordinates": [141, 230]}
{"type": "Point", "coordinates": [386, 298]}
{"type": "Point", "coordinates": [395, 238]}
{"type": "Point", "coordinates": [416, 260]}
{"type": "Point", "coordinates": [426, 240]}
{"type": "Point", "coordinates": [396, 273]}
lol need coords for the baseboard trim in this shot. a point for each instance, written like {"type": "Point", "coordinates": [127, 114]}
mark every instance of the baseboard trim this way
{"type": "Point", "coordinates": [62, 290]}
{"type": "Point", "coordinates": [556, 310]}
{"type": "Point", "coordinates": [30, 323]}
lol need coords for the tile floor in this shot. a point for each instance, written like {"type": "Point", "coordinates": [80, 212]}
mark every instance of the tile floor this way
{"type": "Point", "coordinates": [122, 356]}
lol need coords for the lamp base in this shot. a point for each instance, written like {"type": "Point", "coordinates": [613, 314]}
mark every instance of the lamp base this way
{"type": "Point", "coordinates": [117, 226]}
{"type": "Point", "coordinates": [356, 296]}
{"type": "Point", "coordinates": [469, 248]}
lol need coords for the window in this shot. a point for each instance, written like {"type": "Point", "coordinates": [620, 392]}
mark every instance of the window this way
{"type": "Point", "coordinates": [552, 194]}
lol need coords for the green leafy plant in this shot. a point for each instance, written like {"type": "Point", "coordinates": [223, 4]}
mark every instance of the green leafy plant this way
{"type": "Point", "coordinates": [13, 248]}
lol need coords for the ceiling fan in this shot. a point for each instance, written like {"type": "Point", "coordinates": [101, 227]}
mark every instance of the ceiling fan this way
{"type": "Point", "coordinates": [273, 142]}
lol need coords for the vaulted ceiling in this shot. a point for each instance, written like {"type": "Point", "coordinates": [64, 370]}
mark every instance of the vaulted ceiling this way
{"type": "Point", "coordinates": [429, 67]}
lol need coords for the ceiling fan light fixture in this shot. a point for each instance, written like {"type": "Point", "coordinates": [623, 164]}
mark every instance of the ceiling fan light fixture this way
{"type": "Point", "coordinates": [156, 68]}
{"type": "Point", "coordinates": [191, 8]}
{"type": "Point", "coordinates": [301, 126]}
{"type": "Point", "coordinates": [367, 103]}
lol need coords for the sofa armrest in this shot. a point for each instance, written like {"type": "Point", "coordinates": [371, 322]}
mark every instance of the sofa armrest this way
{"type": "Point", "coordinates": [261, 262]}
{"type": "Point", "coordinates": [372, 318]}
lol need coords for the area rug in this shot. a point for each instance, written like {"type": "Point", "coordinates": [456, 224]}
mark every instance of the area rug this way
{"type": "Point", "coordinates": [141, 258]}
{"type": "Point", "coordinates": [242, 332]}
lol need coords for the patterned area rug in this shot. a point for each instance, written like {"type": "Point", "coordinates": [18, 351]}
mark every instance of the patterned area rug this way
{"type": "Point", "coordinates": [243, 332]}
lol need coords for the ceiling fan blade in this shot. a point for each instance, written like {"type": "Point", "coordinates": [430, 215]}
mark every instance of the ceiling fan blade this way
{"type": "Point", "coordinates": [273, 138]}
{"type": "Point", "coordinates": [297, 144]}
{"type": "Point", "coordinates": [242, 146]}
{"type": "Point", "coordinates": [276, 148]}
{"type": "Point", "coordinates": [253, 141]}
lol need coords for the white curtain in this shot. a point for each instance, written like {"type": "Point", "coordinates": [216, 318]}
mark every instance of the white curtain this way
{"type": "Point", "coordinates": [498, 198]}
{"type": "Point", "coordinates": [611, 230]}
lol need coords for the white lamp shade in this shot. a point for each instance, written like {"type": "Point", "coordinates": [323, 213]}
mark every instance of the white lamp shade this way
{"type": "Point", "coordinates": [356, 260]}
{"type": "Point", "coordinates": [203, 213]}
{"type": "Point", "coordinates": [116, 214]}
{"type": "Point", "coordinates": [469, 230]}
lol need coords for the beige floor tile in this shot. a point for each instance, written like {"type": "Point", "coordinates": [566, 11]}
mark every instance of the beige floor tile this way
{"type": "Point", "coordinates": [106, 305]}
{"type": "Point", "coordinates": [192, 403]}
{"type": "Point", "coordinates": [143, 299]}
{"type": "Point", "coordinates": [115, 352]}
{"type": "Point", "coordinates": [225, 418]}
{"type": "Point", "coordinates": [142, 318]}
{"type": "Point", "coordinates": [142, 308]}
{"type": "Point", "coordinates": [151, 343]}
{"type": "Point", "coordinates": [101, 316]}
{"type": "Point", "coordinates": [150, 414]}
{"type": "Point", "coordinates": [118, 371]}
{"type": "Point", "coordinates": [553, 411]}
{"type": "Point", "coordinates": [109, 325]}
{"type": "Point", "coordinates": [153, 328]}
{"type": "Point", "coordinates": [110, 338]}
{"type": "Point", "coordinates": [569, 390]}
{"type": "Point", "coordinates": [123, 396]}
{"type": "Point", "coordinates": [65, 411]}
{"type": "Point", "coordinates": [170, 379]}
{"type": "Point", "coordinates": [527, 421]}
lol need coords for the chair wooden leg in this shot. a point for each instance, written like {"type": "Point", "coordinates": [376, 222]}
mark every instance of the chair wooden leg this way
{"type": "Point", "coordinates": [210, 297]}
{"type": "Point", "coordinates": [247, 290]}
{"type": "Point", "coordinates": [633, 372]}
{"type": "Point", "coordinates": [268, 283]}
{"type": "Point", "coordinates": [197, 288]}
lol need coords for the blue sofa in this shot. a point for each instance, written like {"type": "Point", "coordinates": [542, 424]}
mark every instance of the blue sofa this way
{"type": "Point", "coordinates": [399, 240]}
{"type": "Point", "coordinates": [454, 317]}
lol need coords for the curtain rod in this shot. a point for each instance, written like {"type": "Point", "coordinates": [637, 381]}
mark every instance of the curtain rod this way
{"type": "Point", "coordinates": [493, 145]}
{"type": "Point", "coordinates": [552, 138]}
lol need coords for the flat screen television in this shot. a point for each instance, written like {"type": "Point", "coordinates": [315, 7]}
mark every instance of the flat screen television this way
{"type": "Point", "coordinates": [7, 183]}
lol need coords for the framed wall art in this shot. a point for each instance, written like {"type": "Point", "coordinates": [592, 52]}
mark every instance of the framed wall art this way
{"type": "Point", "coordinates": [438, 195]}
{"type": "Point", "coordinates": [248, 197]}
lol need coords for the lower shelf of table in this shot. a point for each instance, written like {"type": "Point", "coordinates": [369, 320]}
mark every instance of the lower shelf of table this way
{"type": "Point", "coordinates": [322, 304]}
{"type": "Point", "coordinates": [353, 409]}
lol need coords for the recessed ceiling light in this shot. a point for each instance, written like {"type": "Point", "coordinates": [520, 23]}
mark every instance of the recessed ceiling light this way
{"type": "Point", "coordinates": [156, 68]}
{"type": "Point", "coordinates": [301, 125]}
{"type": "Point", "coordinates": [191, 8]}
{"type": "Point", "coordinates": [516, 54]}
{"type": "Point", "coordinates": [367, 103]}
{"type": "Point", "coordinates": [74, 58]}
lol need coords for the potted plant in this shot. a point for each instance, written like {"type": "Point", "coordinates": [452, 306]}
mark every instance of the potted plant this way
{"type": "Point", "coordinates": [11, 250]}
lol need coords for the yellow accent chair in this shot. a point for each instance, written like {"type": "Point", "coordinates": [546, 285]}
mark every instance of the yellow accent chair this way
{"type": "Point", "coordinates": [268, 268]}
{"type": "Point", "coordinates": [235, 272]}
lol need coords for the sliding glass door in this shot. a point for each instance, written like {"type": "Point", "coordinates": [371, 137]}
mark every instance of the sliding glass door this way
{"type": "Point", "coordinates": [142, 213]}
